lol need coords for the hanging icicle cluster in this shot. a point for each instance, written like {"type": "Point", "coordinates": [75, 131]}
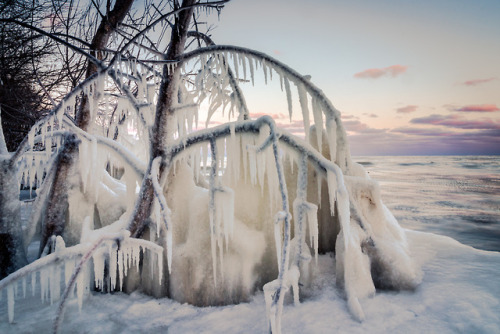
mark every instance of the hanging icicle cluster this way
{"type": "Point", "coordinates": [66, 265]}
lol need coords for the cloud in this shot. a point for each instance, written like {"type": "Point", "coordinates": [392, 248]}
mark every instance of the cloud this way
{"type": "Point", "coordinates": [479, 108]}
{"type": "Point", "coordinates": [454, 121]}
{"type": "Point", "coordinates": [354, 126]}
{"type": "Point", "coordinates": [477, 81]}
{"type": "Point", "coordinates": [371, 115]}
{"type": "Point", "coordinates": [255, 115]}
{"type": "Point", "coordinates": [346, 116]}
{"type": "Point", "coordinates": [375, 73]}
{"type": "Point", "coordinates": [406, 110]}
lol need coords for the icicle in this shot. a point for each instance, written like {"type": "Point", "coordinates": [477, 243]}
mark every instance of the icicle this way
{"type": "Point", "coordinates": [224, 199]}
{"type": "Point", "coordinates": [244, 64]}
{"type": "Point", "coordinates": [113, 264]}
{"type": "Point", "coordinates": [137, 256]}
{"type": "Point", "coordinates": [235, 62]}
{"type": "Point", "coordinates": [55, 284]}
{"type": "Point", "coordinates": [69, 266]}
{"type": "Point", "coordinates": [264, 69]}
{"type": "Point", "coordinates": [44, 280]}
{"type": "Point", "coordinates": [169, 251]}
{"type": "Point", "coordinates": [331, 179]}
{"type": "Point", "coordinates": [81, 285]}
{"type": "Point", "coordinates": [244, 152]}
{"type": "Point", "coordinates": [318, 122]}
{"type": "Point", "coordinates": [312, 219]}
{"type": "Point", "coordinates": [288, 97]}
{"type": "Point", "coordinates": [252, 157]}
{"type": "Point", "coordinates": [33, 283]}
{"type": "Point", "coordinates": [319, 183]}
{"type": "Point", "coordinates": [212, 208]}
{"type": "Point", "coordinates": [24, 287]}
{"type": "Point", "coordinates": [250, 63]}
{"type": "Point", "coordinates": [120, 265]}
{"type": "Point", "coordinates": [10, 302]}
{"type": "Point", "coordinates": [305, 110]}
{"type": "Point", "coordinates": [98, 259]}
{"type": "Point", "coordinates": [331, 130]}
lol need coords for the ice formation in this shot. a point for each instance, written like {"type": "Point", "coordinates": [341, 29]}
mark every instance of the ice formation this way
{"type": "Point", "coordinates": [236, 208]}
{"type": "Point", "coordinates": [69, 266]}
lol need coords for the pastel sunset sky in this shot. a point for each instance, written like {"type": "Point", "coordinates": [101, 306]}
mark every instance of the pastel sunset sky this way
{"type": "Point", "coordinates": [409, 77]}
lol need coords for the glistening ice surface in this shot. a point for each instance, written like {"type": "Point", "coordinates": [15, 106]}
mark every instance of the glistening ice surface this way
{"type": "Point", "coordinates": [457, 196]}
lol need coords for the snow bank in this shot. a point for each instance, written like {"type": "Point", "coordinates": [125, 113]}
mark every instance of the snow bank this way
{"type": "Point", "coordinates": [459, 293]}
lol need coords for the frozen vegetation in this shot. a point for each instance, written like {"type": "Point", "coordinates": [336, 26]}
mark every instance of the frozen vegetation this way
{"type": "Point", "coordinates": [221, 216]}
{"type": "Point", "coordinates": [459, 293]}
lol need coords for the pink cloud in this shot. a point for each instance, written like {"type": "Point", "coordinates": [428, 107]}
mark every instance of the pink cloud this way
{"type": "Point", "coordinates": [354, 126]}
{"type": "Point", "coordinates": [371, 115]}
{"type": "Point", "coordinates": [479, 108]}
{"type": "Point", "coordinates": [406, 110]}
{"type": "Point", "coordinates": [477, 81]}
{"type": "Point", "coordinates": [374, 73]}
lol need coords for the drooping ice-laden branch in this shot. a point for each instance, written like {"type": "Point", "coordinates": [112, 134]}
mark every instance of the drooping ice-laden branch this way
{"type": "Point", "coordinates": [275, 289]}
{"type": "Point", "coordinates": [339, 151]}
{"type": "Point", "coordinates": [118, 249]}
{"type": "Point", "coordinates": [244, 113]}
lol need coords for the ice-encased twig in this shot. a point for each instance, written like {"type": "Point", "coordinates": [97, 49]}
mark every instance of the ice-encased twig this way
{"type": "Point", "coordinates": [49, 268]}
{"type": "Point", "coordinates": [318, 161]}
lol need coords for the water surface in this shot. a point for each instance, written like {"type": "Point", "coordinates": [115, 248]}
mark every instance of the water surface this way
{"type": "Point", "coordinates": [457, 196]}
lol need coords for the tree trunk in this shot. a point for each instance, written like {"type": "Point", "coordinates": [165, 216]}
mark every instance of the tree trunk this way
{"type": "Point", "coordinates": [55, 216]}
{"type": "Point", "coordinates": [54, 221]}
{"type": "Point", "coordinates": [164, 109]}
{"type": "Point", "coordinates": [108, 25]}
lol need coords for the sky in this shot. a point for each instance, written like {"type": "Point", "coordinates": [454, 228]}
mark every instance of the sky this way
{"type": "Point", "coordinates": [409, 77]}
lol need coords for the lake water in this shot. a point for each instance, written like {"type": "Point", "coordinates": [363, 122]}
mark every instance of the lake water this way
{"type": "Point", "coordinates": [457, 196]}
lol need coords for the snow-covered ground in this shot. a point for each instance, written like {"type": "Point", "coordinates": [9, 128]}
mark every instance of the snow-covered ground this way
{"type": "Point", "coordinates": [460, 293]}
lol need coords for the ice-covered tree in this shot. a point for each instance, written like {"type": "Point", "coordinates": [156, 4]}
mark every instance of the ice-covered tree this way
{"type": "Point", "coordinates": [225, 210]}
